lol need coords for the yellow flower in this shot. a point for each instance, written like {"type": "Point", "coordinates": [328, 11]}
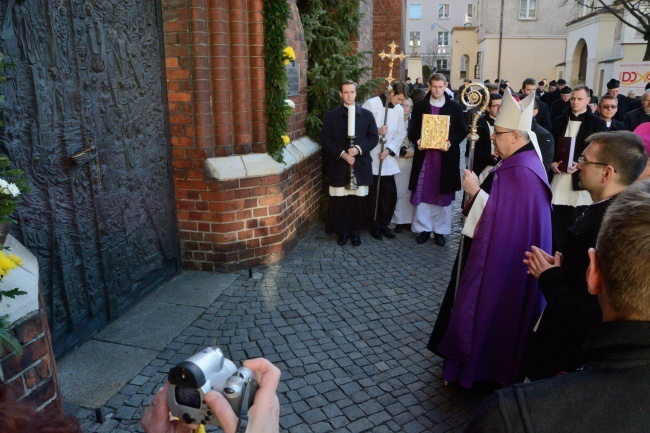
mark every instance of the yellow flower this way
{"type": "Point", "coordinates": [288, 55]}
{"type": "Point", "coordinates": [8, 263]}
{"type": "Point", "coordinates": [286, 140]}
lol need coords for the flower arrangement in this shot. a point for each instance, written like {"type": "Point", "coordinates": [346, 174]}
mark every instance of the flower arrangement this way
{"type": "Point", "coordinates": [12, 182]}
{"type": "Point", "coordinates": [288, 55]}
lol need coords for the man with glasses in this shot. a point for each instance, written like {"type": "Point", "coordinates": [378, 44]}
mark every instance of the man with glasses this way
{"type": "Point", "coordinates": [607, 108]}
{"type": "Point", "coordinates": [569, 200]}
{"type": "Point", "coordinates": [611, 162]}
{"type": "Point", "coordinates": [482, 327]}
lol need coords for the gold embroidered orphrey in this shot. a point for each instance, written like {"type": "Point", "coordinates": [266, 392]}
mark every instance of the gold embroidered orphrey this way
{"type": "Point", "coordinates": [435, 130]}
{"type": "Point", "coordinates": [391, 56]}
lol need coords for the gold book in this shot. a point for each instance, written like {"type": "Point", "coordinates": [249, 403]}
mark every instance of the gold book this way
{"type": "Point", "coordinates": [435, 131]}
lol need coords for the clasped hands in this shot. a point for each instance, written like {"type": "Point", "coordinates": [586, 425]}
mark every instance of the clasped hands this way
{"type": "Point", "coordinates": [539, 261]}
{"type": "Point", "coordinates": [349, 155]}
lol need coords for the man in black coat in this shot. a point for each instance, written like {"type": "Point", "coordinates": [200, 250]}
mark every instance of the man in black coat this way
{"type": "Point", "coordinates": [611, 162]}
{"type": "Point", "coordinates": [623, 101]}
{"type": "Point", "coordinates": [483, 149]}
{"type": "Point", "coordinates": [569, 200]}
{"type": "Point", "coordinates": [545, 140]}
{"type": "Point", "coordinates": [347, 213]}
{"type": "Point", "coordinates": [434, 188]}
{"type": "Point", "coordinates": [607, 109]}
{"type": "Point", "coordinates": [554, 95]}
{"type": "Point", "coordinates": [542, 116]}
{"type": "Point", "coordinates": [641, 115]}
{"type": "Point", "coordinates": [610, 393]}
{"type": "Point", "coordinates": [561, 105]}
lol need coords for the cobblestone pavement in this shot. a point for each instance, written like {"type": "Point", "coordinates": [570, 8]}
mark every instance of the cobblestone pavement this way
{"type": "Point", "coordinates": [348, 328]}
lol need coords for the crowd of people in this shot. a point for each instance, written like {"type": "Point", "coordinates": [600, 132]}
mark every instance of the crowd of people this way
{"type": "Point", "coordinates": [570, 353]}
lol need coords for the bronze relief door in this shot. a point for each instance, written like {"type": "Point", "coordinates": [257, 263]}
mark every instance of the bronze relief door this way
{"type": "Point", "coordinates": [85, 115]}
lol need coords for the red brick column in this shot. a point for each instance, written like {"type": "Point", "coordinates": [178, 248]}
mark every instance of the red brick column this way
{"type": "Point", "coordinates": [215, 78]}
{"type": "Point", "coordinates": [388, 25]}
{"type": "Point", "coordinates": [33, 372]}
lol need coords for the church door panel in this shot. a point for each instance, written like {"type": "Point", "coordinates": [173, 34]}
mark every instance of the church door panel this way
{"type": "Point", "coordinates": [85, 117]}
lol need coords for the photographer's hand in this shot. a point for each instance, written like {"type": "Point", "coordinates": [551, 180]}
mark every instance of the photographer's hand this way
{"type": "Point", "coordinates": [156, 418]}
{"type": "Point", "coordinates": [264, 414]}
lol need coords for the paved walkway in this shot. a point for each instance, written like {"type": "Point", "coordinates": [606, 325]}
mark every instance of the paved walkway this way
{"type": "Point", "coordinates": [347, 326]}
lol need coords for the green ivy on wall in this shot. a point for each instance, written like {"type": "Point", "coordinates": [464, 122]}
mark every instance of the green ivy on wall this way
{"type": "Point", "coordinates": [276, 15]}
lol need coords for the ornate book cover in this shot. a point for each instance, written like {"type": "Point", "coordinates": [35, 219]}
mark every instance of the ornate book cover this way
{"type": "Point", "coordinates": [435, 131]}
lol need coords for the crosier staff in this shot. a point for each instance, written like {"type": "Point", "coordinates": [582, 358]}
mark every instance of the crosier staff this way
{"type": "Point", "coordinates": [475, 95]}
{"type": "Point", "coordinates": [391, 56]}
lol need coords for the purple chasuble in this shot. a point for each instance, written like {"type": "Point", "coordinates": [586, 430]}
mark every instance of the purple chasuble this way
{"type": "Point", "coordinates": [497, 303]}
{"type": "Point", "coordinates": [427, 189]}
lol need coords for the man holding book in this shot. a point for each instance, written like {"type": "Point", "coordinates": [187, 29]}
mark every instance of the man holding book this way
{"type": "Point", "coordinates": [435, 177]}
{"type": "Point", "coordinates": [570, 132]}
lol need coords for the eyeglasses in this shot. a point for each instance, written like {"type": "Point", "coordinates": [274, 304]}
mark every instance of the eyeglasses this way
{"type": "Point", "coordinates": [608, 107]}
{"type": "Point", "coordinates": [582, 160]}
{"type": "Point", "coordinates": [503, 132]}
{"type": "Point", "coordinates": [495, 105]}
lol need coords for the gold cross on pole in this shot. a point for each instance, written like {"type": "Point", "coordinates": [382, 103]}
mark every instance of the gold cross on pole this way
{"type": "Point", "coordinates": [391, 56]}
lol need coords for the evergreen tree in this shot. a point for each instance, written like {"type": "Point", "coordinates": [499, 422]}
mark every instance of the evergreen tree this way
{"type": "Point", "coordinates": [330, 27]}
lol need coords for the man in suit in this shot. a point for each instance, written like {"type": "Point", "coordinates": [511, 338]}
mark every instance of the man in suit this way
{"type": "Point", "coordinates": [347, 214]}
{"type": "Point", "coordinates": [641, 115]}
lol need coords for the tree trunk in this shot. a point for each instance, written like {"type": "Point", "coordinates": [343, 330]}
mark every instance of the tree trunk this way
{"type": "Point", "coordinates": [646, 56]}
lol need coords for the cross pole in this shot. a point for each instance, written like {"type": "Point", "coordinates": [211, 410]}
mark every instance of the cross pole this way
{"type": "Point", "coordinates": [391, 56]}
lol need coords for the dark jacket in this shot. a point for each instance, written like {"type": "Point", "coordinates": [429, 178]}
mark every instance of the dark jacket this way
{"type": "Point", "coordinates": [590, 124]}
{"type": "Point", "coordinates": [571, 313]}
{"type": "Point", "coordinates": [334, 140]}
{"type": "Point", "coordinates": [546, 145]}
{"type": "Point", "coordinates": [610, 394]}
{"type": "Point", "coordinates": [543, 117]}
{"type": "Point", "coordinates": [551, 97]}
{"type": "Point", "coordinates": [617, 125]}
{"type": "Point", "coordinates": [450, 176]}
{"type": "Point", "coordinates": [483, 148]}
{"type": "Point", "coordinates": [636, 117]}
{"type": "Point", "coordinates": [558, 108]}
{"type": "Point", "coordinates": [623, 107]}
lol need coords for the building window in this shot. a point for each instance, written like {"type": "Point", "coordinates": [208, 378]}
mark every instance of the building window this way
{"type": "Point", "coordinates": [443, 12]}
{"type": "Point", "coordinates": [477, 67]}
{"type": "Point", "coordinates": [443, 39]}
{"type": "Point", "coordinates": [470, 12]}
{"type": "Point", "coordinates": [442, 64]}
{"type": "Point", "coordinates": [464, 60]}
{"type": "Point", "coordinates": [415, 12]}
{"type": "Point", "coordinates": [527, 9]}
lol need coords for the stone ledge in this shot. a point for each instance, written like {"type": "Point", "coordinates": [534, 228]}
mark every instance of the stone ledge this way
{"type": "Point", "coordinates": [259, 164]}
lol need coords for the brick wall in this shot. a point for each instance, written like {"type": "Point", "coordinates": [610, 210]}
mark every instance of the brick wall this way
{"type": "Point", "coordinates": [215, 81]}
{"type": "Point", "coordinates": [388, 25]}
{"type": "Point", "coordinates": [33, 372]}
{"type": "Point", "coordinates": [296, 40]}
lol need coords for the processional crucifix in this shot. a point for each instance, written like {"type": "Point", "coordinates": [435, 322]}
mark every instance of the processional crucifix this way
{"type": "Point", "coordinates": [392, 56]}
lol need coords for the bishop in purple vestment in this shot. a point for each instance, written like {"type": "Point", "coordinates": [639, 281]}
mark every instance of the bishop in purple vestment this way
{"type": "Point", "coordinates": [497, 303]}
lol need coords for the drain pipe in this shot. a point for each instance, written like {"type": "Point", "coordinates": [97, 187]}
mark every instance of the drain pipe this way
{"type": "Point", "coordinates": [500, 42]}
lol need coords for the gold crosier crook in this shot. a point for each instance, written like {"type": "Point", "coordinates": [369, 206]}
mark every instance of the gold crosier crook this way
{"type": "Point", "coordinates": [392, 56]}
{"type": "Point", "coordinates": [475, 95]}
